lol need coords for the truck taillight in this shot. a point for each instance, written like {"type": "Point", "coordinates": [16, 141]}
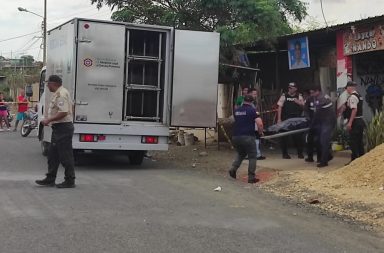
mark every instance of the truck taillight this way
{"type": "Point", "coordinates": [150, 139]}
{"type": "Point", "coordinates": [88, 138]}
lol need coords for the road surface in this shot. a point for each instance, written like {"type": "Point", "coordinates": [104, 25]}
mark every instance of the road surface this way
{"type": "Point", "coordinates": [153, 208]}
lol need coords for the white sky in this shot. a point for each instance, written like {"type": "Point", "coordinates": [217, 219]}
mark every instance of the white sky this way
{"type": "Point", "coordinates": [14, 23]}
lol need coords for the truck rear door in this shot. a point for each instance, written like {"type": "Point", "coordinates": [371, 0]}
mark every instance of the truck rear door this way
{"type": "Point", "coordinates": [100, 72]}
{"type": "Point", "coordinates": [195, 79]}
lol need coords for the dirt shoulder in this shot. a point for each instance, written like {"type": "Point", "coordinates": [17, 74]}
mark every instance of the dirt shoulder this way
{"type": "Point", "coordinates": [300, 182]}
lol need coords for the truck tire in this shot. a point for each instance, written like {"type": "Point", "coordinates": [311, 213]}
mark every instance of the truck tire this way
{"type": "Point", "coordinates": [76, 157]}
{"type": "Point", "coordinates": [44, 147]}
{"type": "Point", "coordinates": [43, 144]}
{"type": "Point", "coordinates": [136, 157]}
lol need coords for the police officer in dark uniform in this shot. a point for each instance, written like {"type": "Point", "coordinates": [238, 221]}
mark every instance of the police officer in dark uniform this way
{"type": "Point", "coordinates": [60, 151]}
{"type": "Point", "coordinates": [309, 109]}
{"type": "Point", "coordinates": [324, 121]}
{"type": "Point", "coordinates": [243, 137]}
{"type": "Point", "coordinates": [291, 106]}
{"type": "Point", "coordinates": [353, 112]}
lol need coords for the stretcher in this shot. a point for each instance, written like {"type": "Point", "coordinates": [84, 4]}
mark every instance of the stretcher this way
{"type": "Point", "coordinates": [282, 134]}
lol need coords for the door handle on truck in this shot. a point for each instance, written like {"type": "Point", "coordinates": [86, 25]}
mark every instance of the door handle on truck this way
{"type": "Point", "coordinates": [81, 103]}
{"type": "Point", "coordinates": [84, 41]}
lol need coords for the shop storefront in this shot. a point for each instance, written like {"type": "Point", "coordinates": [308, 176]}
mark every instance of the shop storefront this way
{"type": "Point", "coordinates": [363, 49]}
{"type": "Point", "coordinates": [330, 57]}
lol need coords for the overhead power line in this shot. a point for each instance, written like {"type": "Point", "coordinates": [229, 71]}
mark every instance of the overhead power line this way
{"type": "Point", "coordinates": [21, 36]}
{"type": "Point", "coordinates": [18, 51]}
{"type": "Point", "coordinates": [322, 11]}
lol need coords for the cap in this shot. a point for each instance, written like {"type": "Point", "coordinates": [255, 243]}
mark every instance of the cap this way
{"type": "Point", "coordinates": [55, 79]}
{"type": "Point", "coordinates": [351, 84]}
{"type": "Point", "coordinates": [248, 98]}
{"type": "Point", "coordinates": [292, 84]}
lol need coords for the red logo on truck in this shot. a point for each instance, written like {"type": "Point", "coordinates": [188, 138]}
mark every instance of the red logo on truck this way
{"type": "Point", "coordinates": [88, 62]}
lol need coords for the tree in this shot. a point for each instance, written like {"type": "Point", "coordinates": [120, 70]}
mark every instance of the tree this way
{"type": "Point", "coordinates": [27, 60]}
{"type": "Point", "coordinates": [238, 21]}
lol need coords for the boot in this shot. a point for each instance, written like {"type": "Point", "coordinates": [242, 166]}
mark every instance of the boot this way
{"type": "Point", "coordinates": [232, 174]}
{"type": "Point", "coordinates": [66, 184]}
{"type": "Point", "coordinates": [252, 180]}
{"type": "Point", "coordinates": [46, 182]}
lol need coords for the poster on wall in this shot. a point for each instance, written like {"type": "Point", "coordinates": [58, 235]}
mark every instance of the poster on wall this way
{"type": "Point", "coordinates": [298, 53]}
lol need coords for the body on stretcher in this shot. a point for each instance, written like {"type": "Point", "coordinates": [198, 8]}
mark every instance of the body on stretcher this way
{"type": "Point", "coordinates": [282, 134]}
{"type": "Point", "coordinates": [287, 127]}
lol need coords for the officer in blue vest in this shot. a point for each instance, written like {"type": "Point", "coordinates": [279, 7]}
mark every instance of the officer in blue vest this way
{"type": "Point", "coordinates": [353, 112]}
{"type": "Point", "coordinates": [243, 137]}
{"type": "Point", "coordinates": [324, 121]}
{"type": "Point", "coordinates": [291, 106]}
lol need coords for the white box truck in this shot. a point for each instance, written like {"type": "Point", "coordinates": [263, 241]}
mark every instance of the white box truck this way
{"type": "Point", "coordinates": [131, 82]}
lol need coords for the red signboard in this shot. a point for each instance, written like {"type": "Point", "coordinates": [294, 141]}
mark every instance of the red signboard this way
{"type": "Point", "coordinates": [363, 39]}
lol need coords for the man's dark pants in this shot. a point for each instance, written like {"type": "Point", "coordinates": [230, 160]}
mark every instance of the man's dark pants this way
{"type": "Point", "coordinates": [245, 145]}
{"type": "Point", "coordinates": [356, 138]}
{"type": "Point", "coordinates": [311, 143]}
{"type": "Point", "coordinates": [325, 137]}
{"type": "Point", "coordinates": [60, 151]}
{"type": "Point", "coordinates": [298, 141]}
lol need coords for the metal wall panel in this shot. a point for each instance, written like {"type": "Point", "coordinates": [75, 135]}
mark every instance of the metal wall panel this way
{"type": "Point", "coordinates": [195, 79]}
{"type": "Point", "coordinates": [60, 61]}
{"type": "Point", "coordinates": [100, 72]}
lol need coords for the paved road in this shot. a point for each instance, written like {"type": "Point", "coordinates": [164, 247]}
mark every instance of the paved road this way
{"type": "Point", "coordinates": [154, 208]}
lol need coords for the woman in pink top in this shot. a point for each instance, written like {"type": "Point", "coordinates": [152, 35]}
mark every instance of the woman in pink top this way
{"type": "Point", "coordinates": [3, 113]}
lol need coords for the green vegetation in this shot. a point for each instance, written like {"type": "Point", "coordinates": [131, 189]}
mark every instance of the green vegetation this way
{"type": "Point", "coordinates": [375, 131]}
{"type": "Point", "coordinates": [238, 21]}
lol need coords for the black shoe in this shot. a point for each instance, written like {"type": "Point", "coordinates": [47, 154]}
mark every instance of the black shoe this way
{"type": "Point", "coordinates": [261, 158]}
{"type": "Point", "coordinates": [330, 158]}
{"type": "Point", "coordinates": [286, 156]}
{"type": "Point", "coordinates": [66, 184]}
{"type": "Point", "coordinates": [321, 165]}
{"type": "Point", "coordinates": [309, 160]}
{"type": "Point", "coordinates": [46, 182]}
{"type": "Point", "coordinates": [232, 174]}
{"type": "Point", "coordinates": [300, 156]}
{"type": "Point", "coordinates": [253, 180]}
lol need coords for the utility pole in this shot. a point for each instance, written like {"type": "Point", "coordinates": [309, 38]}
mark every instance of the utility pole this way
{"type": "Point", "coordinates": [44, 28]}
{"type": "Point", "coordinates": [45, 34]}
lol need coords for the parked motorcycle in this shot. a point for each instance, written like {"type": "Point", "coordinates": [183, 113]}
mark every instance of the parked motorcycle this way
{"type": "Point", "coordinates": [30, 123]}
{"type": "Point", "coordinates": [9, 117]}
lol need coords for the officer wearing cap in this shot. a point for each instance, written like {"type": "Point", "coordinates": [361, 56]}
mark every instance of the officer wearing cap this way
{"type": "Point", "coordinates": [243, 137]}
{"type": "Point", "coordinates": [291, 106]}
{"type": "Point", "coordinates": [60, 150]}
{"type": "Point", "coordinates": [353, 112]}
{"type": "Point", "coordinates": [324, 122]}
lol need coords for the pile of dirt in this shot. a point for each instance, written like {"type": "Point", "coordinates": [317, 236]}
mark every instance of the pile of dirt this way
{"type": "Point", "coordinates": [367, 170]}
{"type": "Point", "coordinates": [354, 191]}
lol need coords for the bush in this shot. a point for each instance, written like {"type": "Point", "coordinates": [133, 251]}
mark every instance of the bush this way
{"type": "Point", "coordinates": [375, 131]}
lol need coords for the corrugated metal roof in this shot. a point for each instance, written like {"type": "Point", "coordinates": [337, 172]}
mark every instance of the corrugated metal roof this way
{"type": "Point", "coordinates": [338, 26]}
{"type": "Point", "coordinates": [332, 28]}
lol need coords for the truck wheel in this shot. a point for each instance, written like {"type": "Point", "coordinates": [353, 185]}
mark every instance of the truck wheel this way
{"type": "Point", "coordinates": [44, 147]}
{"type": "Point", "coordinates": [136, 157]}
{"type": "Point", "coordinates": [76, 154]}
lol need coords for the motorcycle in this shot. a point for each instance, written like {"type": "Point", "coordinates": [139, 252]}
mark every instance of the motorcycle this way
{"type": "Point", "coordinates": [9, 117]}
{"type": "Point", "coordinates": [30, 123]}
